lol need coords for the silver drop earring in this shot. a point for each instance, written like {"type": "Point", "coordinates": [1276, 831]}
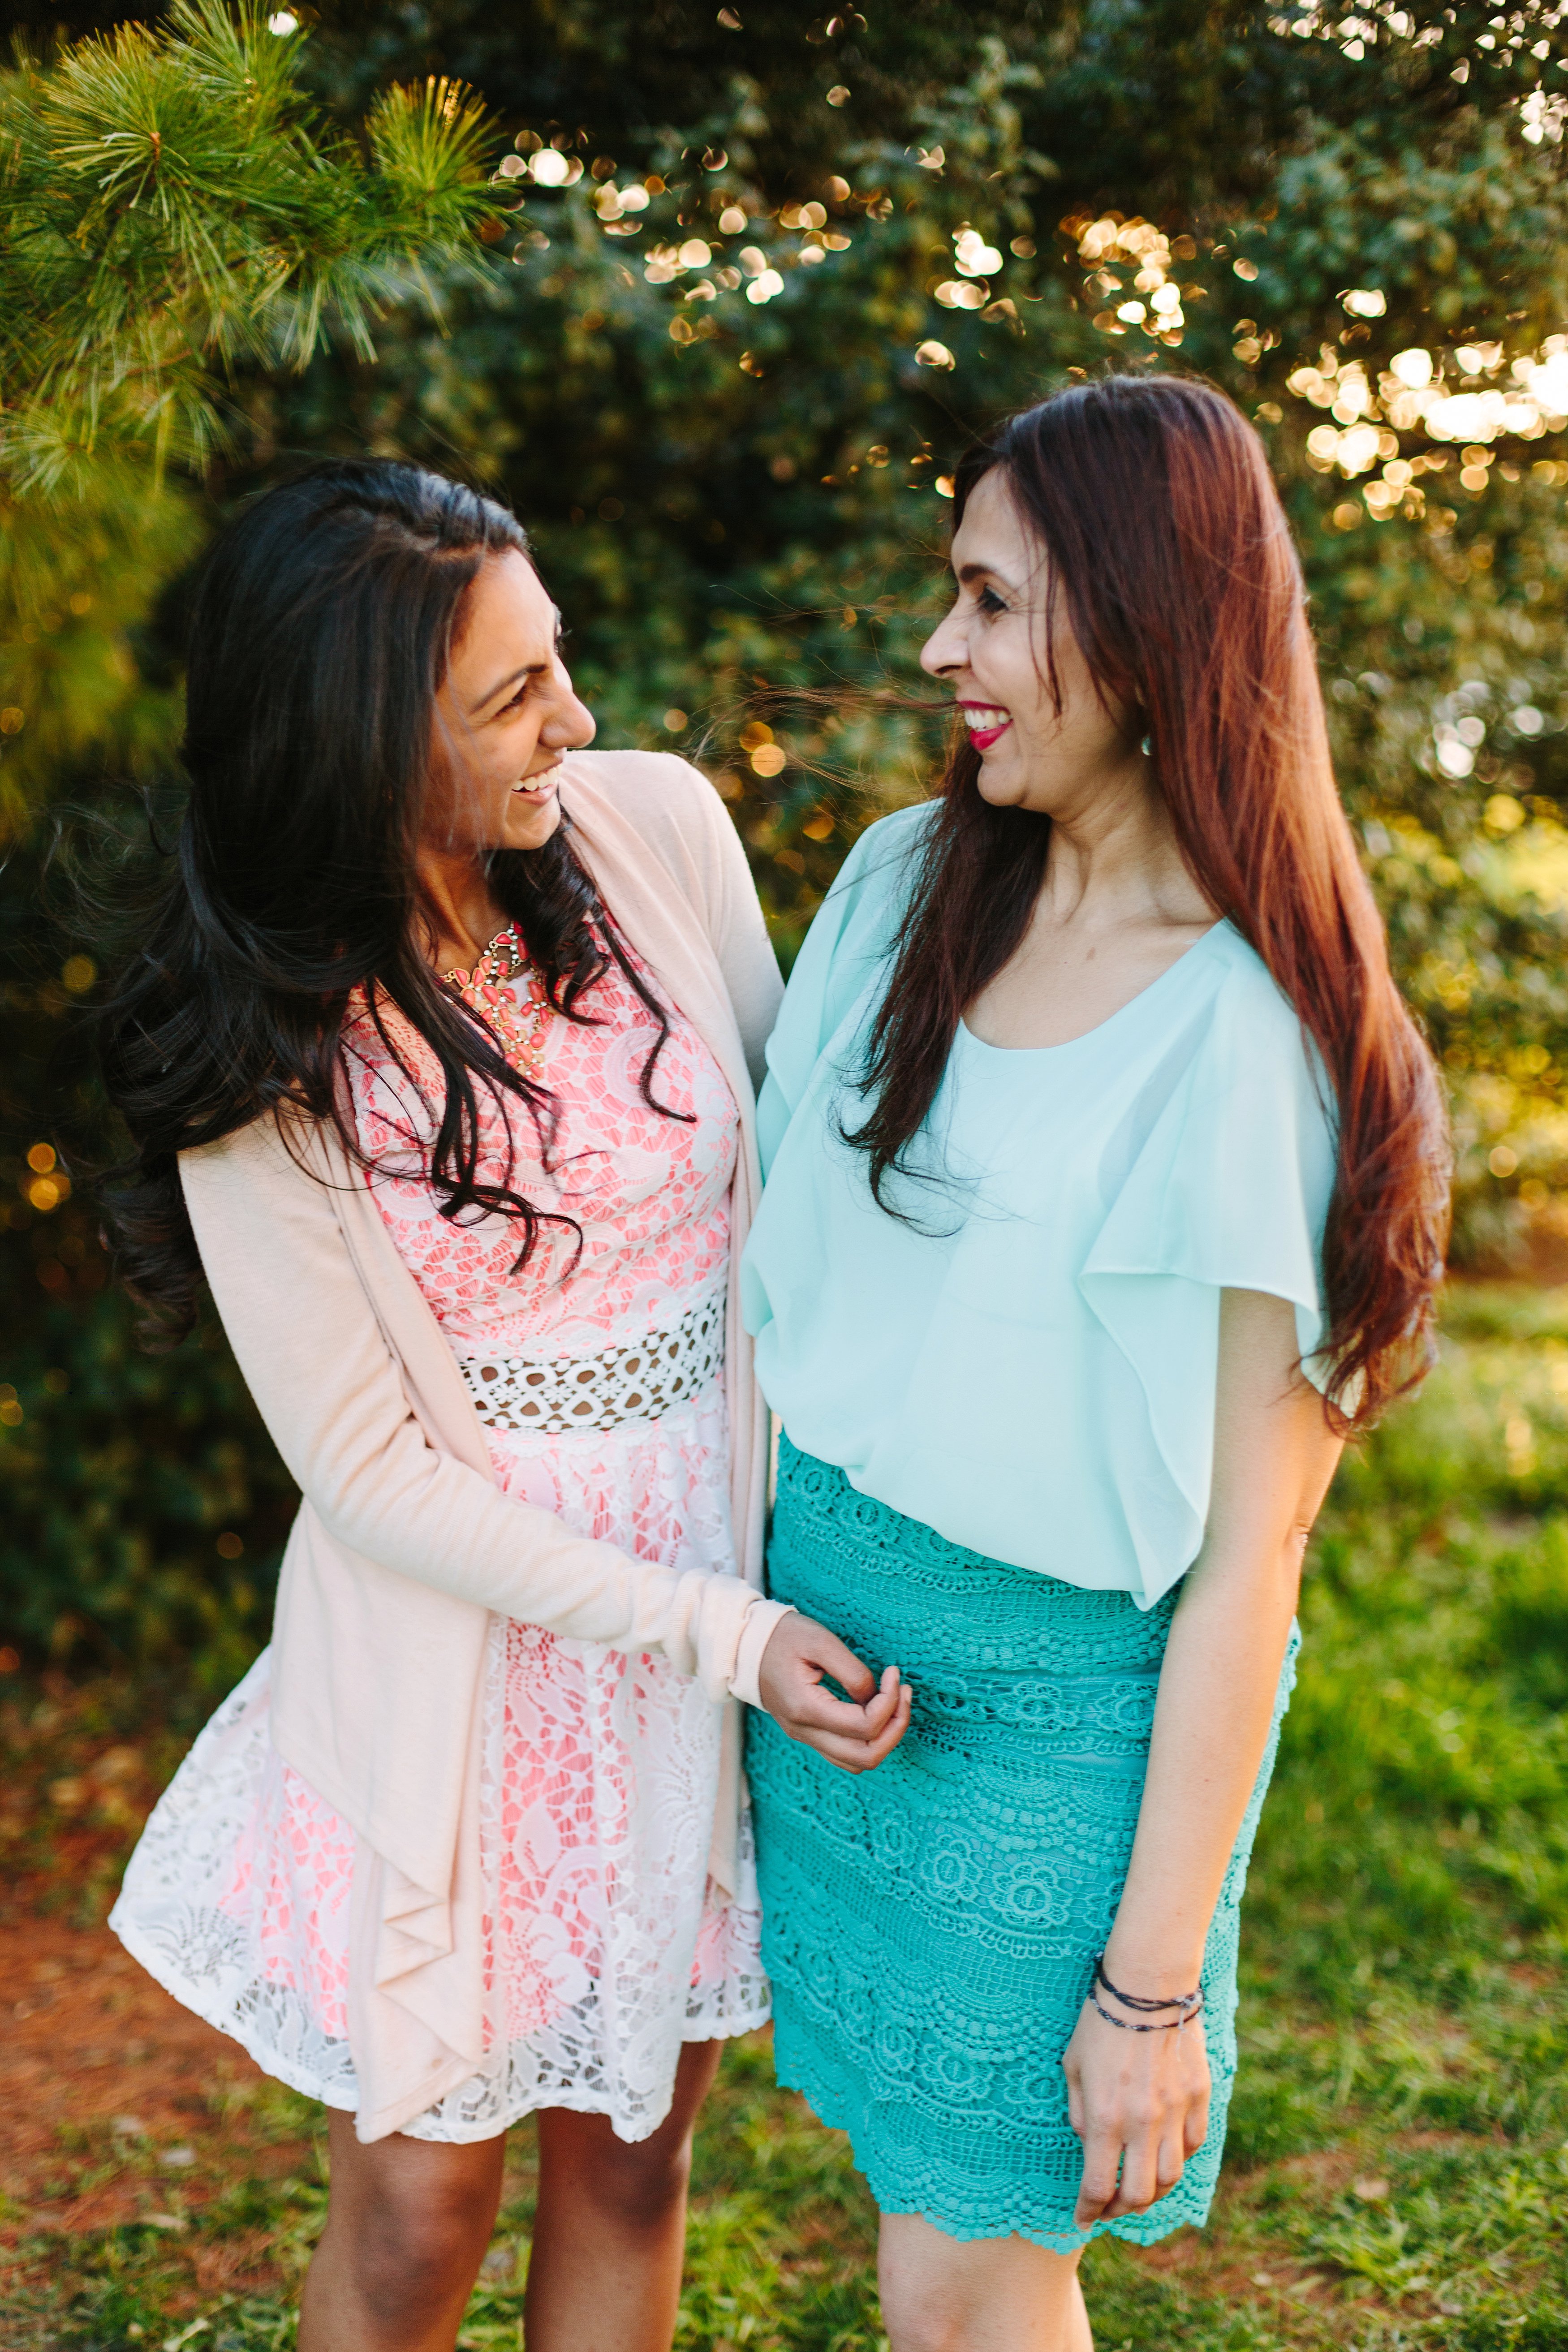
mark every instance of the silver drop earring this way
{"type": "Point", "coordinates": [1147, 747]}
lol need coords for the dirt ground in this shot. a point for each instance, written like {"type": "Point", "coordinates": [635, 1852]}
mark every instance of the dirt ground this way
{"type": "Point", "coordinates": [116, 2105]}
{"type": "Point", "coordinates": [114, 2101]}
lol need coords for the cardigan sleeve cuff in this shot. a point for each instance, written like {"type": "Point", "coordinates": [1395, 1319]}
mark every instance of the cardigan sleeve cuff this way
{"type": "Point", "coordinates": [755, 1635]}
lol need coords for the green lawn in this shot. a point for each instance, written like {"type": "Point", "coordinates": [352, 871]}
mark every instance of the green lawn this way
{"type": "Point", "coordinates": [1397, 2171]}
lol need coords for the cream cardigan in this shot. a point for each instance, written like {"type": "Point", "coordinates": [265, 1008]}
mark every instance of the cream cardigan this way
{"type": "Point", "coordinates": [404, 1545]}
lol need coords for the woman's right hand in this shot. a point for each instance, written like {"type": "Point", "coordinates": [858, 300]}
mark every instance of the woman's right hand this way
{"type": "Point", "coordinates": [853, 1734]}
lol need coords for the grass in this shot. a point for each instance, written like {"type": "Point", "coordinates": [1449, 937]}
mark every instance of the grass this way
{"type": "Point", "coordinates": [1398, 2170]}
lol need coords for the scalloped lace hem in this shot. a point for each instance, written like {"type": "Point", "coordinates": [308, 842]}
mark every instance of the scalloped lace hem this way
{"type": "Point", "coordinates": [951, 2206]}
{"type": "Point", "coordinates": [272, 2026]}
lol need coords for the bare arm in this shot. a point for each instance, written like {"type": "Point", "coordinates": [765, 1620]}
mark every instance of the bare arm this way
{"type": "Point", "coordinates": [1140, 2101]}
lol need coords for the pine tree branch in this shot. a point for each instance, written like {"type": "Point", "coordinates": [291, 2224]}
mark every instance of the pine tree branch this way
{"type": "Point", "coordinates": [173, 205]}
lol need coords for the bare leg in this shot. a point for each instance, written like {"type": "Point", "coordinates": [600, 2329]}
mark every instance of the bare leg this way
{"type": "Point", "coordinates": [408, 2225]}
{"type": "Point", "coordinates": [610, 2233]}
{"type": "Point", "coordinates": [989, 2295]}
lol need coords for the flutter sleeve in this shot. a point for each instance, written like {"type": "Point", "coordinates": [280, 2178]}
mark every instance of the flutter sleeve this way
{"type": "Point", "coordinates": [1220, 1181]}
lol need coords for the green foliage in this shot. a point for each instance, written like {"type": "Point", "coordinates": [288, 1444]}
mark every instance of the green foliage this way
{"type": "Point", "coordinates": [171, 206]}
{"type": "Point", "coordinates": [146, 1508]}
{"type": "Point", "coordinates": [85, 688]}
{"type": "Point", "coordinates": [175, 206]}
{"type": "Point", "coordinates": [143, 1506]}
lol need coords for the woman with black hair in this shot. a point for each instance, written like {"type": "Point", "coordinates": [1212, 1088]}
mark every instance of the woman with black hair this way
{"type": "Point", "coordinates": [438, 1066]}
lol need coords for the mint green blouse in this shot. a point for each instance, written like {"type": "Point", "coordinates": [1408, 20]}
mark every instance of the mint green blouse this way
{"type": "Point", "coordinates": [1029, 1367]}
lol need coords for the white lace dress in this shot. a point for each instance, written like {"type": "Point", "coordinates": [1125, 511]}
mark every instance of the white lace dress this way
{"type": "Point", "coordinates": [598, 1371]}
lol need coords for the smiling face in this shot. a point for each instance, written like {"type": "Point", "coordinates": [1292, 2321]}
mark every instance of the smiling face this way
{"type": "Point", "coordinates": [991, 650]}
{"type": "Point", "coordinates": [505, 715]}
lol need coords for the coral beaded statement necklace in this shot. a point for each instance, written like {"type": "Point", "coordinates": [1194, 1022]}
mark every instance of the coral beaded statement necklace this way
{"type": "Point", "coordinates": [521, 1023]}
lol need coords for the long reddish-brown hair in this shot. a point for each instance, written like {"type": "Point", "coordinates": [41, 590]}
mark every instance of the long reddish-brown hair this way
{"type": "Point", "coordinates": [1172, 563]}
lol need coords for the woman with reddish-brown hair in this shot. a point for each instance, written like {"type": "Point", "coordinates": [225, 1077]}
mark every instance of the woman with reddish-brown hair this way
{"type": "Point", "coordinates": [1106, 1198]}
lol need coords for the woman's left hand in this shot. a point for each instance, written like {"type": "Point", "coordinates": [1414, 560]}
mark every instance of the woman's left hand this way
{"type": "Point", "coordinates": [1140, 2103]}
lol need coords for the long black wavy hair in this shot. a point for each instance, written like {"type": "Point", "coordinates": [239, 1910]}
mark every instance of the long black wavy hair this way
{"type": "Point", "coordinates": [323, 623]}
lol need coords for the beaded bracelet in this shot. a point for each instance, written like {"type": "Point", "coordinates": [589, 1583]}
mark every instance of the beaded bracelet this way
{"type": "Point", "coordinates": [1187, 2005]}
{"type": "Point", "coordinates": [1128, 2026]}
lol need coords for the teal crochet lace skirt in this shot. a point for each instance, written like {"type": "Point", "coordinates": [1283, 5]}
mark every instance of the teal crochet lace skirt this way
{"type": "Point", "coordinates": [929, 1927]}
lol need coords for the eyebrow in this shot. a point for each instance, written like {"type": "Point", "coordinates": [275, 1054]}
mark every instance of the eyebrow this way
{"type": "Point", "coordinates": [969, 572]}
{"type": "Point", "coordinates": [529, 669]}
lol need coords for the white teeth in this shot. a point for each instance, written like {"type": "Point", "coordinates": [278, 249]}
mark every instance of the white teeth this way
{"type": "Point", "coordinates": [978, 718]}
